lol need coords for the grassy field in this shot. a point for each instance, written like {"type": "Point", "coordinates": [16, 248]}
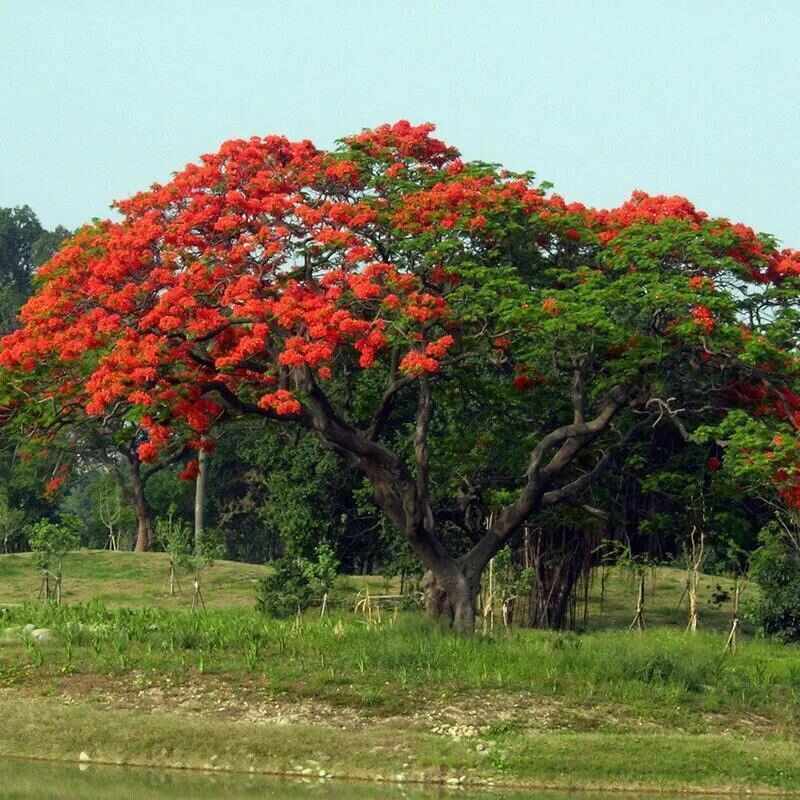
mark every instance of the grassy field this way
{"type": "Point", "coordinates": [140, 580]}
{"type": "Point", "coordinates": [139, 679]}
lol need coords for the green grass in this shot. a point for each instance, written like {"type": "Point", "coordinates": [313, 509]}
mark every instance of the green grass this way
{"type": "Point", "coordinates": [128, 579]}
{"type": "Point", "coordinates": [136, 580]}
{"type": "Point", "coordinates": [157, 684]}
{"type": "Point", "coordinates": [663, 675]}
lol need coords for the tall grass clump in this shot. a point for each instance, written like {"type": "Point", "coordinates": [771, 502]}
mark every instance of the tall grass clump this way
{"type": "Point", "coordinates": [657, 671]}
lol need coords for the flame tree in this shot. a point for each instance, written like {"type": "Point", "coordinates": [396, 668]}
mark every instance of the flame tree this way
{"type": "Point", "coordinates": [436, 323]}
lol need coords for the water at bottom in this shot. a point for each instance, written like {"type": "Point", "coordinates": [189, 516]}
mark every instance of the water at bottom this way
{"type": "Point", "coordinates": [34, 780]}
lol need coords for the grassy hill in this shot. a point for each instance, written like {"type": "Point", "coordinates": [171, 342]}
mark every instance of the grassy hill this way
{"type": "Point", "coordinates": [127, 579]}
{"type": "Point", "coordinates": [140, 580]}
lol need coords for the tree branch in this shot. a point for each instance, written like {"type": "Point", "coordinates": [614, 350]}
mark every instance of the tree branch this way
{"type": "Point", "coordinates": [424, 413]}
{"type": "Point", "coordinates": [381, 415]}
{"type": "Point", "coordinates": [572, 438]}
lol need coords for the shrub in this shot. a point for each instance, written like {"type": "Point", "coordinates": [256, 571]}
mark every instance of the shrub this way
{"type": "Point", "coordinates": [776, 570]}
{"type": "Point", "coordinates": [295, 582]}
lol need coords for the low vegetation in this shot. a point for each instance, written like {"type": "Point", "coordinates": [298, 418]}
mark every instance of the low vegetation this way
{"type": "Point", "coordinates": [233, 688]}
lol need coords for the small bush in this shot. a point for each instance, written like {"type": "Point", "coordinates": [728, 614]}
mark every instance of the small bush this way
{"type": "Point", "coordinates": [296, 582]}
{"type": "Point", "coordinates": [286, 591]}
{"type": "Point", "coordinates": [776, 570]}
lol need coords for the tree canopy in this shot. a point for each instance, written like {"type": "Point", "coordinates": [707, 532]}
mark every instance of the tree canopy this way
{"type": "Point", "coordinates": [469, 341]}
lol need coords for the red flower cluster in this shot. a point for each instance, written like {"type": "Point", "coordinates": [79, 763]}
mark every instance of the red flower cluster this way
{"type": "Point", "coordinates": [190, 471]}
{"type": "Point", "coordinates": [57, 481]}
{"type": "Point", "coordinates": [550, 306]}
{"type": "Point", "coordinates": [281, 402]}
{"type": "Point", "coordinates": [703, 318]}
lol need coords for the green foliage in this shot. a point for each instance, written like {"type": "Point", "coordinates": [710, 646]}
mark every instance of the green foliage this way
{"type": "Point", "coordinates": [51, 541]}
{"type": "Point", "coordinates": [210, 548]}
{"type": "Point", "coordinates": [97, 500]}
{"type": "Point", "coordinates": [174, 536]}
{"type": "Point", "coordinates": [277, 492]}
{"type": "Point", "coordinates": [24, 245]}
{"type": "Point", "coordinates": [296, 582]}
{"type": "Point", "coordinates": [510, 579]}
{"type": "Point", "coordinates": [286, 591]}
{"type": "Point", "coordinates": [12, 522]}
{"type": "Point", "coordinates": [776, 570]}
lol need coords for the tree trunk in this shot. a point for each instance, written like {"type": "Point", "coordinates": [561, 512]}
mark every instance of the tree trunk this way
{"type": "Point", "coordinates": [450, 598]}
{"type": "Point", "coordinates": [551, 599]}
{"type": "Point", "coordinates": [559, 559]}
{"type": "Point", "coordinates": [144, 522]}
{"type": "Point", "coordinates": [200, 500]}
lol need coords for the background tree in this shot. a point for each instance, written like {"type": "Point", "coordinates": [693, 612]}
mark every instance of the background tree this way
{"type": "Point", "coordinates": [12, 522]}
{"type": "Point", "coordinates": [24, 245]}
{"type": "Point", "coordinates": [776, 571]}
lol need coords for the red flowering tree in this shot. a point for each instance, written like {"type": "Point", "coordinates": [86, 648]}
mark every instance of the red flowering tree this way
{"type": "Point", "coordinates": [424, 317]}
{"type": "Point", "coordinates": [57, 437]}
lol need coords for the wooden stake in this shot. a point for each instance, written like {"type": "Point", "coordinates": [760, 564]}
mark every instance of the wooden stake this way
{"type": "Point", "coordinates": [730, 644]}
{"type": "Point", "coordinates": [197, 597]}
{"type": "Point", "coordinates": [638, 621]}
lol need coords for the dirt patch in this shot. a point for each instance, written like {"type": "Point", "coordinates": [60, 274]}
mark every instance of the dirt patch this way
{"type": "Point", "coordinates": [247, 701]}
{"type": "Point", "coordinates": [251, 700]}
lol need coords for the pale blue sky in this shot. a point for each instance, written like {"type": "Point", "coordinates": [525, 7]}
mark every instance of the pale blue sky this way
{"type": "Point", "coordinates": [695, 97]}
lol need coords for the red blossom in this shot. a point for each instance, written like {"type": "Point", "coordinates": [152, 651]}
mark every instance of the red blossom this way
{"type": "Point", "coordinates": [190, 471]}
{"type": "Point", "coordinates": [704, 318]}
{"type": "Point", "coordinates": [282, 402]}
{"type": "Point", "coordinates": [550, 306]}
{"type": "Point", "coordinates": [523, 382]}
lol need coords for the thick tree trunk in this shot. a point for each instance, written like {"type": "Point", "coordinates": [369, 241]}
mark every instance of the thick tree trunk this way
{"type": "Point", "coordinates": [450, 598]}
{"type": "Point", "coordinates": [437, 604]}
{"type": "Point", "coordinates": [464, 614]}
{"type": "Point", "coordinates": [144, 521]}
{"type": "Point", "coordinates": [404, 496]}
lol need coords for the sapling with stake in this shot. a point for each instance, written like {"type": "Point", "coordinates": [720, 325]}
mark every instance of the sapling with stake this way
{"type": "Point", "coordinates": [51, 541]}
{"type": "Point", "coordinates": [109, 509]}
{"type": "Point", "coordinates": [174, 535]}
{"type": "Point", "coordinates": [638, 567]}
{"type": "Point", "coordinates": [208, 548]}
{"type": "Point", "coordinates": [738, 589]}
